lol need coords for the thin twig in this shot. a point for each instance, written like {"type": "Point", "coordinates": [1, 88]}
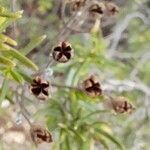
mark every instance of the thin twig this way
{"type": "Point", "coordinates": [65, 22]}
{"type": "Point", "coordinates": [125, 85]}
{"type": "Point", "coordinates": [22, 109]}
{"type": "Point", "coordinates": [121, 27]}
{"type": "Point", "coordinates": [73, 21]}
{"type": "Point", "coordinates": [66, 86]}
{"type": "Point", "coordinates": [14, 26]}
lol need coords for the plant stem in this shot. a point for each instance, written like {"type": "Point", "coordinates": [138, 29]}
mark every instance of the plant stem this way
{"type": "Point", "coordinates": [22, 109]}
{"type": "Point", "coordinates": [65, 86]}
{"type": "Point", "coordinates": [4, 89]}
{"type": "Point", "coordinates": [92, 144]}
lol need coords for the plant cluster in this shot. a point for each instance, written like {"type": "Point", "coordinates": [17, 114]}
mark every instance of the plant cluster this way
{"type": "Point", "coordinates": [76, 102]}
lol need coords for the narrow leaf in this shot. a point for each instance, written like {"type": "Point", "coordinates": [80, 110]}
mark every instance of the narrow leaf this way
{"type": "Point", "coordinates": [34, 42]}
{"type": "Point", "coordinates": [16, 76]}
{"type": "Point", "coordinates": [15, 15]}
{"type": "Point", "coordinates": [101, 139]}
{"type": "Point", "coordinates": [2, 68]}
{"type": "Point", "coordinates": [8, 40]}
{"type": "Point", "coordinates": [24, 60]}
{"type": "Point", "coordinates": [111, 138]}
{"type": "Point", "coordinates": [24, 75]}
{"type": "Point", "coordinates": [2, 38]}
{"type": "Point", "coordinates": [9, 98]}
{"type": "Point", "coordinates": [68, 146]}
{"type": "Point", "coordinates": [4, 89]}
{"type": "Point", "coordinates": [4, 47]}
{"type": "Point", "coordinates": [77, 134]}
{"type": "Point", "coordinates": [4, 23]}
{"type": "Point", "coordinates": [79, 122]}
{"type": "Point", "coordinates": [6, 61]}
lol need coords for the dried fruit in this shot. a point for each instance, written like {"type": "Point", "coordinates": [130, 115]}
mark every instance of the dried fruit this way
{"type": "Point", "coordinates": [98, 8]}
{"type": "Point", "coordinates": [112, 8]}
{"type": "Point", "coordinates": [40, 135]}
{"type": "Point", "coordinates": [92, 86]}
{"type": "Point", "coordinates": [63, 52]}
{"type": "Point", "coordinates": [77, 4]}
{"type": "Point", "coordinates": [121, 105]}
{"type": "Point", "coordinates": [39, 87]}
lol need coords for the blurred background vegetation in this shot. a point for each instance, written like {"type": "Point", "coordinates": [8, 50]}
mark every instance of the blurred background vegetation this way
{"type": "Point", "coordinates": [118, 52]}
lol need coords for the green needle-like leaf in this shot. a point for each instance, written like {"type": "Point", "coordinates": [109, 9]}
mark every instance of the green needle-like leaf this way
{"type": "Point", "coordinates": [11, 15]}
{"type": "Point", "coordinates": [21, 58]}
{"type": "Point", "coordinates": [6, 61]}
{"type": "Point", "coordinates": [7, 39]}
{"type": "Point", "coordinates": [4, 23]}
{"type": "Point", "coordinates": [111, 138]}
{"type": "Point", "coordinates": [26, 77]}
{"type": "Point", "coordinates": [101, 139]}
{"type": "Point", "coordinates": [16, 76]}
{"type": "Point", "coordinates": [4, 47]}
{"type": "Point", "coordinates": [34, 42]}
{"type": "Point", "coordinates": [4, 89]}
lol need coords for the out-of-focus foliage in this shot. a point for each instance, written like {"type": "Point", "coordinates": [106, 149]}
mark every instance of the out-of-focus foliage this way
{"type": "Point", "coordinates": [11, 60]}
{"type": "Point", "coordinates": [75, 120]}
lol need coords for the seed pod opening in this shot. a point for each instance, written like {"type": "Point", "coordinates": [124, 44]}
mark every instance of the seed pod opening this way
{"type": "Point", "coordinates": [112, 9]}
{"type": "Point", "coordinates": [122, 105]}
{"type": "Point", "coordinates": [92, 86]}
{"type": "Point", "coordinates": [39, 87]}
{"type": "Point", "coordinates": [40, 135]}
{"type": "Point", "coordinates": [63, 52]}
{"type": "Point", "coordinates": [97, 8]}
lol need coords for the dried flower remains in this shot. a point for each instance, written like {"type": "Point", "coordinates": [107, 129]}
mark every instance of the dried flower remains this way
{"type": "Point", "coordinates": [63, 52]}
{"type": "Point", "coordinates": [92, 86]}
{"type": "Point", "coordinates": [112, 9]}
{"type": "Point", "coordinates": [97, 8]}
{"type": "Point", "coordinates": [39, 87]}
{"type": "Point", "coordinates": [40, 135]}
{"type": "Point", "coordinates": [121, 105]}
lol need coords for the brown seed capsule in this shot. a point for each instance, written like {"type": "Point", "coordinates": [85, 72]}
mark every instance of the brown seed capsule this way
{"type": "Point", "coordinates": [92, 86]}
{"type": "Point", "coordinates": [63, 52]}
{"type": "Point", "coordinates": [97, 8]}
{"type": "Point", "coordinates": [39, 87]}
{"type": "Point", "coordinates": [112, 8]}
{"type": "Point", "coordinates": [40, 135]}
{"type": "Point", "coordinates": [121, 105]}
{"type": "Point", "coordinates": [77, 4]}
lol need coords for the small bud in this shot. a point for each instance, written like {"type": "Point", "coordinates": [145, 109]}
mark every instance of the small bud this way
{"type": "Point", "coordinates": [121, 105]}
{"type": "Point", "coordinates": [63, 52]}
{"type": "Point", "coordinates": [40, 135]}
{"type": "Point", "coordinates": [97, 8]}
{"type": "Point", "coordinates": [92, 86]}
{"type": "Point", "coordinates": [39, 87]}
{"type": "Point", "coordinates": [112, 8]}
